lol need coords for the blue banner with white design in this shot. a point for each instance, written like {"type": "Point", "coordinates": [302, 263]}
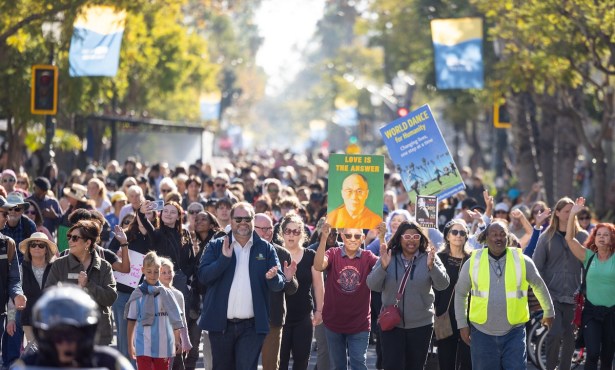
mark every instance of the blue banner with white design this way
{"type": "Point", "coordinates": [96, 42]}
{"type": "Point", "coordinates": [458, 53]}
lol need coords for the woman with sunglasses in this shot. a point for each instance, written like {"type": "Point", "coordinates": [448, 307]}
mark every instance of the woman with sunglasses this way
{"type": "Point", "coordinates": [84, 267]}
{"type": "Point", "coordinates": [300, 315]}
{"type": "Point", "coordinates": [453, 353]}
{"type": "Point", "coordinates": [23, 183]}
{"type": "Point", "coordinates": [39, 253]}
{"type": "Point", "coordinates": [34, 214]}
{"type": "Point", "coordinates": [406, 345]}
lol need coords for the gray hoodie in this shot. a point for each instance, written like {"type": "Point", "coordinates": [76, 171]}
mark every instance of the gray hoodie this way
{"type": "Point", "coordinates": [559, 268]}
{"type": "Point", "coordinates": [417, 305]}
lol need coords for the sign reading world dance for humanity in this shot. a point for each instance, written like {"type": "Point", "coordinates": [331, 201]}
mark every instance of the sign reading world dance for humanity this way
{"type": "Point", "coordinates": [421, 156]}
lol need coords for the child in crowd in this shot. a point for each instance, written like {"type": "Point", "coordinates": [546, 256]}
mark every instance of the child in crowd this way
{"type": "Point", "coordinates": [167, 273]}
{"type": "Point", "coordinates": [154, 311]}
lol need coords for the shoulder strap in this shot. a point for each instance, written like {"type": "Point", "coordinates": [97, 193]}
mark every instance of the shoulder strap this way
{"type": "Point", "coordinates": [583, 283]}
{"type": "Point", "coordinates": [404, 280]}
{"type": "Point", "coordinates": [453, 292]}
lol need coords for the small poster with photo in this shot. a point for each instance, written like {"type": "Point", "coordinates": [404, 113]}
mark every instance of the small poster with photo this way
{"type": "Point", "coordinates": [426, 212]}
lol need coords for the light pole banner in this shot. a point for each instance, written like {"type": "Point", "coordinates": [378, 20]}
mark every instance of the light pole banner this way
{"type": "Point", "coordinates": [355, 191]}
{"type": "Point", "coordinates": [458, 52]}
{"type": "Point", "coordinates": [95, 45]}
{"type": "Point", "coordinates": [421, 156]}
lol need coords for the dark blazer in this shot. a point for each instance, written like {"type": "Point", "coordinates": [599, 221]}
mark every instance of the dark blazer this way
{"type": "Point", "coordinates": [216, 272]}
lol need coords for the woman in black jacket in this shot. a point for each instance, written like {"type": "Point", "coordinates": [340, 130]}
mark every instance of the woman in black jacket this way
{"type": "Point", "coordinates": [453, 353]}
{"type": "Point", "coordinates": [38, 254]}
{"type": "Point", "coordinates": [171, 240]}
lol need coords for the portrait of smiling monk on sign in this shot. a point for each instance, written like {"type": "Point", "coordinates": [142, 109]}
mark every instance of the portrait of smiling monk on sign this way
{"type": "Point", "coordinates": [353, 213]}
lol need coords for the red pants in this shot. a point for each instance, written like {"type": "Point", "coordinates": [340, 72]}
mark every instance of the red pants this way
{"type": "Point", "coordinates": [151, 363]}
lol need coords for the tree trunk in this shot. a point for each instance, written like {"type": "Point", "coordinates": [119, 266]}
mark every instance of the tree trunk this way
{"type": "Point", "coordinates": [545, 144]}
{"type": "Point", "coordinates": [521, 140]}
{"type": "Point", "coordinates": [15, 137]}
{"type": "Point", "coordinates": [565, 156]}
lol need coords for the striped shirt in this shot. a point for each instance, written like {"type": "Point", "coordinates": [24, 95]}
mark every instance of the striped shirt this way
{"type": "Point", "coordinates": [157, 340]}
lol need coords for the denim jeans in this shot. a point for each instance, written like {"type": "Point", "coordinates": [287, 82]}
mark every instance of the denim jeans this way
{"type": "Point", "coordinates": [120, 322]}
{"type": "Point", "coordinates": [342, 346]}
{"type": "Point", "coordinates": [490, 352]}
{"type": "Point", "coordinates": [11, 345]}
{"type": "Point", "coordinates": [236, 348]}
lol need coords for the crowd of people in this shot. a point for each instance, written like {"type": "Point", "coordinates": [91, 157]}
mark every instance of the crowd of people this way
{"type": "Point", "coordinates": [242, 261]}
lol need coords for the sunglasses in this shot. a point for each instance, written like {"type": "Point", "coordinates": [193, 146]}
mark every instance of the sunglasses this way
{"type": "Point", "coordinates": [8, 180]}
{"type": "Point", "coordinates": [38, 245]}
{"type": "Point", "coordinates": [353, 236]}
{"type": "Point", "coordinates": [267, 229]}
{"type": "Point", "coordinates": [193, 212]}
{"type": "Point", "coordinates": [74, 238]}
{"type": "Point", "coordinates": [459, 232]}
{"type": "Point", "coordinates": [537, 211]}
{"type": "Point", "coordinates": [295, 232]}
{"type": "Point", "coordinates": [411, 236]}
{"type": "Point", "coordinates": [242, 219]}
{"type": "Point", "coordinates": [15, 209]}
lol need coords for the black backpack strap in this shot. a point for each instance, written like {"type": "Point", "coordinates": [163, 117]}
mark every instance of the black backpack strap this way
{"type": "Point", "coordinates": [583, 283]}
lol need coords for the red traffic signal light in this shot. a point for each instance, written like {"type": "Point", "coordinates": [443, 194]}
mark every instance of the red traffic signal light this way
{"type": "Point", "coordinates": [44, 98]}
{"type": "Point", "coordinates": [402, 112]}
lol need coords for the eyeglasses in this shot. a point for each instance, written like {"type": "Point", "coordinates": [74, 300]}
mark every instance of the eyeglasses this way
{"type": "Point", "coordinates": [193, 212]}
{"type": "Point", "coordinates": [295, 232]}
{"type": "Point", "coordinates": [267, 229]}
{"type": "Point", "coordinates": [242, 219]}
{"type": "Point", "coordinates": [459, 232]}
{"type": "Point", "coordinates": [74, 238]}
{"type": "Point", "coordinates": [351, 236]}
{"type": "Point", "coordinates": [218, 185]}
{"type": "Point", "coordinates": [15, 209]}
{"type": "Point", "coordinates": [537, 211]}
{"type": "Point", "coordinates": [37, 245]}
{"type": "Point", "coordinates": [411, 236]}
{"type": "Point", "coordinates": [10, 179]}
{"type": "Point", "coordinates": [165, 190]}
{"type": "Point", "coordinates": [126, 222]}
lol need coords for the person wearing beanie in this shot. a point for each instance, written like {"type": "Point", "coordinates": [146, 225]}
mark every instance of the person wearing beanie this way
{"type": "Point", "coordinates": [49, 206]}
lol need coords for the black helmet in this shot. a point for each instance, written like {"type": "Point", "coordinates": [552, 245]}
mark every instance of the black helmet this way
{"type": "Point", "coordinates": [65, 309]}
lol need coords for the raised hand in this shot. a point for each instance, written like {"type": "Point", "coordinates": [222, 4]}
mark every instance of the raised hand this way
{"type": "Point", "coordinates": [488, 203]}
{"type": "Point", "coordinates": [120, 235]}
{"type": "Point", "coordinates": [431, 256]}
{"type": "Point", "coordinates": [145, 206]}
{"type": "Point", "coordinates": [516, 214]}
{"type": "Point", "coordinates": [290, 270]}
{"type": "Point", "coordinates": [578, 206]}
{"type": "Point", "coordinates": [542, 216]}
{"type": "Point", "coordinates": [272, 272]}
{"type": "Point", "coordinates": [382, 230]}
{"type": "Point", "coordinates": [326, 230]}
{"type": "Point", "coordinates": [385, 256]}
{"type": "Point", "coordinates": [227, 251]}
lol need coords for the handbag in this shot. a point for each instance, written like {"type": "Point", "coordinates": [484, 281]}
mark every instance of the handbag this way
{"type": "Point", "coordinates": [442, 326]}
{"type": "Point", "coordinates": [390, 315]}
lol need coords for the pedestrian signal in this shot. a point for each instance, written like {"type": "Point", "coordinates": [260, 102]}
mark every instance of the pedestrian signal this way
{"type": "Point", "coordinates": [44, 98]}
{"type": "Point", "coordinates": [501, 117]}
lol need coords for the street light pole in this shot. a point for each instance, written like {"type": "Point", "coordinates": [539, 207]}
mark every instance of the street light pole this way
{"type": "Point", "coordinates": [51, 32]}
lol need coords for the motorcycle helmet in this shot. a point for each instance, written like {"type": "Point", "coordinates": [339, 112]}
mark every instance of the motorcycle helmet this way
{"type": "Point", "coordinates": [65, 312]}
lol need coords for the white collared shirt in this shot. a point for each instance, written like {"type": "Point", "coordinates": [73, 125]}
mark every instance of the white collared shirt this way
{"type": "Point", "coordinates": [240, 297]}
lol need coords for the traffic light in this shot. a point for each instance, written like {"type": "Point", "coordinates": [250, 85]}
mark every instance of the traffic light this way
{"type": "Point", "coordinates": [402, 112]}
{"type": "Point", "coordinates": [44, 98]}
{"type": "Point", "coordinates": [501, 117]}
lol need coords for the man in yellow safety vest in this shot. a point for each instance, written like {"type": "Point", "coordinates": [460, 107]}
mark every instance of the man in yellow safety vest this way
{"type": "Point", "coordinates": [497, 280]}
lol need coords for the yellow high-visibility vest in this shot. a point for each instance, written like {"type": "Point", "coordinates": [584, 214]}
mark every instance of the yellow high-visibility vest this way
{"type": "Point", "coordinates": [517, 310]}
